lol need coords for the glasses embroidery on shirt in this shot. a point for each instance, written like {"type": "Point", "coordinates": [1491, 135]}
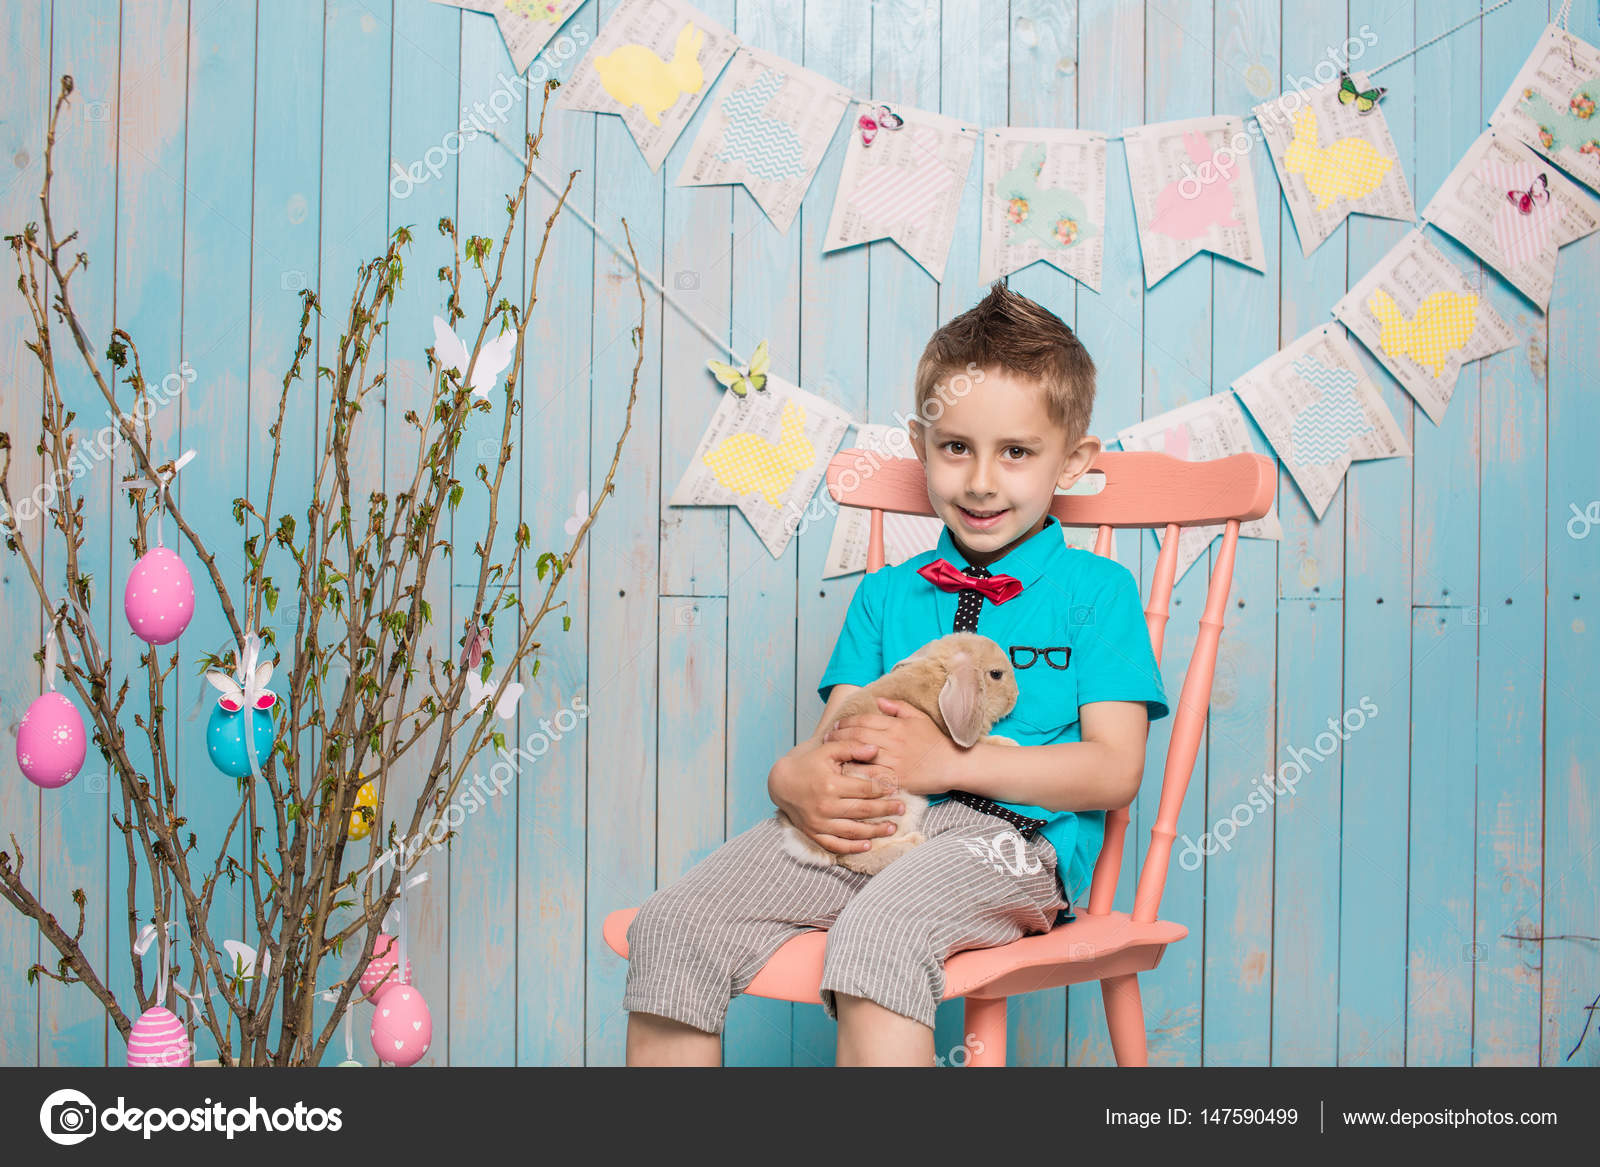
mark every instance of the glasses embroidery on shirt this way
{"type": "Point", "coordinates": [1024, 657]}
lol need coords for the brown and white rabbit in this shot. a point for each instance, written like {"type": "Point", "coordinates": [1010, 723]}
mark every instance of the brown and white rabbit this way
{"type": "Point", "coordinates": [964, 683]}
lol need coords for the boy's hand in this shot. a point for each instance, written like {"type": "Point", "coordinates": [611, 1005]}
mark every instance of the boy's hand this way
{"type": "Point", "coordinates": [910, 747]}
{"type": "Point", "coordinates": [810, 786]}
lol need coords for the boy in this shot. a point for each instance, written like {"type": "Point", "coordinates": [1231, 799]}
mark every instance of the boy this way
{"type": "Point", "coordinates": [1014, 830]}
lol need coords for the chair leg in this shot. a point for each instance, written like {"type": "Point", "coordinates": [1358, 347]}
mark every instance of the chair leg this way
{"type": "Point", "coordinates": [1125, 1018]}
{"type": "Point", "coordinates": [986, 1031]}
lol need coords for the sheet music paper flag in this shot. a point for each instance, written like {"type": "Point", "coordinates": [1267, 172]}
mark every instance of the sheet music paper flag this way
{"type": "Point", "coordinates": [767, 126]}
{"type": "Point", "coordinates": [905, 185]}
{"type": "Point", "coordinates": [1515, 210]}
{"type": "Point", "coordinates": [1422, 318]}
{"type": "Point", "coordinates": [651, 64]}
{"type": "Point", "coordinates": [1193, 192]}
{"type": "Point", "coordinates": [1320, 411]}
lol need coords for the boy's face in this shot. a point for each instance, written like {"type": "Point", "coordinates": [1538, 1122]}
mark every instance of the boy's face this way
{"type": "Point", "coordinates": [994, 460]}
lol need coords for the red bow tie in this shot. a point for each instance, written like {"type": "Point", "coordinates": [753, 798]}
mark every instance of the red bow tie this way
{"type": "Point", "coordinates": [997, 588]}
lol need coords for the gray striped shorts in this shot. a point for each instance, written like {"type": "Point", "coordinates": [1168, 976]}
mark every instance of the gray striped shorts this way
{"type": "Point", "coordinates": [975, 883]}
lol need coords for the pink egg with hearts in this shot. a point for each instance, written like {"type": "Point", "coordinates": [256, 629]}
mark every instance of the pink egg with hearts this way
{"type": "Point", "coordinates": [158, 1040]}
{"type": "Point", "coordinates": [385, 954]}
{"type": "Point", "coordinates": [51, 741]}
{"type": "Point", "coordinates": [402, 1027]}
{"type": "Point", "coordinates": [159, 598]}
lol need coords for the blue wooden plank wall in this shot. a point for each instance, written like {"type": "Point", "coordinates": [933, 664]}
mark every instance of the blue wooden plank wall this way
{"type": "Point", "coordinates": [219, 157]}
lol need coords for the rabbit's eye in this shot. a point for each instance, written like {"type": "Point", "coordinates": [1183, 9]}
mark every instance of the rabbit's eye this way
{"type": "Point", "coordinates": [995, 674]}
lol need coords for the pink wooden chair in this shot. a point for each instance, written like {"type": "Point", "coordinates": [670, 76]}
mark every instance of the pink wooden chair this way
{"type": "Point", "coordinates": [1140, 490]}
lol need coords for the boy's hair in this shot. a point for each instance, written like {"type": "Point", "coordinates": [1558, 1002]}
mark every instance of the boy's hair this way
{"type": "Point", "coordinates": [1011, 332]}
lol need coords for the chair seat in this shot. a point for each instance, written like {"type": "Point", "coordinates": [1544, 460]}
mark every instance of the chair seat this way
{"type": "Point", "coordinates": [1087, 949]}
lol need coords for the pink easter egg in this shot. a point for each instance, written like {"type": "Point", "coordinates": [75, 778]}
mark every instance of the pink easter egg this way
{"type": "Point", "coordinates": [385, 952]}
{"type": "Point", "coordinates": [402, 1027]}
{"type": "Point", "coordinates": [158, 1040]}
{"type": "Point", "coordinates": [159, 598]}
{"type": "Point", "coordinates": [51, 741]}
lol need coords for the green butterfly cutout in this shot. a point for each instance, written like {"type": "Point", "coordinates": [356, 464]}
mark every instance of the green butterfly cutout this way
{"type": "Point", "coordinates": [1363, 99]}
{"type": "Point", "coordinates": [741, 381]}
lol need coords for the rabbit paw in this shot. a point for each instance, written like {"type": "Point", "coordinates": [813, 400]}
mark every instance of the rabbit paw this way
{"type": "Point", "coordinates": [999, 741]}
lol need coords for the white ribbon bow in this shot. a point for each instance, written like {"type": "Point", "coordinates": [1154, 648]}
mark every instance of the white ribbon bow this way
{"type": "Point", "coordinates": [160, 482]}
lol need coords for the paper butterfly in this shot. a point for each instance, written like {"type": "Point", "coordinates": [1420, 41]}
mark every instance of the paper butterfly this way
{"type": "Point", "coordinates": [493, 359]}
{"type": "Point", "coordinates": [753, 376]}
{"type": "Point", "coordinates": [580, 513]}
{"type": "Point", "coordinates": [882, 118]}
{"type": "Point", "coordinates": [1364, 100]}
{"type": "Point", "coordinates": [1526, 200]}
{"type": "Point", "coordinates": [478, 689]}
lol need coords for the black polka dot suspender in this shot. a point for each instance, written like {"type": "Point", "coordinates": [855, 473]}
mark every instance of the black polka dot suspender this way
{"type": "Point", "coordinates": [969, 605]}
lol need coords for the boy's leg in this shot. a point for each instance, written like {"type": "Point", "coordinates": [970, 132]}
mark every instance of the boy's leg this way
{"type": "Point", "coordinates": [699, 942]}
{"type": "Point", "coordinates": [975, 883]}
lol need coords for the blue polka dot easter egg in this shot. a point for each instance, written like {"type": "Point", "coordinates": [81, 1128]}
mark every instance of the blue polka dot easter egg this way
{"type": "Point", "coordinates": [225, 734]}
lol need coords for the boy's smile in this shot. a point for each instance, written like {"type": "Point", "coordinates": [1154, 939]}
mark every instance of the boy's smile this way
{"type": "Point", "coordinates": [994, 460]}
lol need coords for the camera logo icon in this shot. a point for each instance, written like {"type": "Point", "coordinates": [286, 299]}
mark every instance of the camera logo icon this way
{"type": "Point", "coordinates": [67, 1117]}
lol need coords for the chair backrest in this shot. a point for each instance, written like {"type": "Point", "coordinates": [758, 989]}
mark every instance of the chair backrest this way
{"type": "Point", "coordinates": [1140, 489]}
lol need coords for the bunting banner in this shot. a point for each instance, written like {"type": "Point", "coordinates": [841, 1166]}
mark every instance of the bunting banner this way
{"type": "Point", "coordinates": [526, 25]}
{"type": "Point", "coordinates": [1514, 210]}
{"type": "Point", "coordinates": [767, 127]}
{"type": "Point", "coordinates": [764, 452]}
{"type": "Point", "coordinates": [1421, 317]}
{"type": "Point", "coordinates": [651, 65]}
{"type": "Point", "coordinates": [1193, 192]}
{"type": "Point", "coordinates": [1550, 107]}
{"type": "Point", "coordinates": [1321, 412]}
{"type": "Point", "coordinates": [1211, 427]}
{"type": "Point", "coordinates": [904, 173]}
{"type": "Point", "coordinates": [1333, 159]}
{"type": "Point", "coordinates": [1044, 197]}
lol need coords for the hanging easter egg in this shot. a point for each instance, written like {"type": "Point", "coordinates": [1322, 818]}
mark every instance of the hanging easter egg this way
{"type": "Point", "coordinates": [158, 1039]}
{"type": "Point", "coordinates": [360, 824]}
{"type": "Point", "coordinates": [159, 598]}
{"type": "Point", "coordinates": [351, 1064]}
{"type": "Point", "coordinates": [402, 1027]}
{"type": "Point", "coordinates": [243, 714]}
{"type": "Point", "coordinates": [225, 740]}
{"type": "Point", "coordinates": [51, 741]}
{"type": "Point", "coordinates": [385, 950]}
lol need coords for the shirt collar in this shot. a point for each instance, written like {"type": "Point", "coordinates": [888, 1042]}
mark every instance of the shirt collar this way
{"type": "Point", "coordinates": [1027, 561]}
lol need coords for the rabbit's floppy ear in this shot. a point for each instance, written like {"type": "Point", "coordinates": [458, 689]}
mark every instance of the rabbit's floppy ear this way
{"type": "Point", "coordinates": [959, 705]}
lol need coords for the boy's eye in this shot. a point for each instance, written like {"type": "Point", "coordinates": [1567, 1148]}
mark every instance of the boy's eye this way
{"type": "Point", "coordinates": [1018, 450]}
{"type": "Point", "coordinates": [950, 446]}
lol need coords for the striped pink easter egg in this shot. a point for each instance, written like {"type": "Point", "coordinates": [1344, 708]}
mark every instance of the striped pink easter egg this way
{"type": "Point", "coordinates": [385, 950]}
{"type": "Point", "coordinates": [159, 598]}
{"type": "Point", "coordinates": [402, 1026]}
{"type": "Point", "coordinates": [158, 1040]}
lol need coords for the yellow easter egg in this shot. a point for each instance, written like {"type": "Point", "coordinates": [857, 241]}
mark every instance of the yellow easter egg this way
{"type": "Point", "coordinates": [360, 823]}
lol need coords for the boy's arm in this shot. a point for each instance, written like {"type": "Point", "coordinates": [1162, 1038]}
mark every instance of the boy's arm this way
{"type": "Point", "coordinates": [1101, 772]}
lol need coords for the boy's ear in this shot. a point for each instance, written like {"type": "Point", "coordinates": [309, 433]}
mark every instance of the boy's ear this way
{"type": "Point", "coordinates": [918, 439]}
{"type": "Point", "coordinates": [1079, 460]}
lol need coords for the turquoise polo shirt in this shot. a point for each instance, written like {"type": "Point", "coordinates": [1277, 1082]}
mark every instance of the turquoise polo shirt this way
{"type": "Point", "coordinates": [1071, 599]}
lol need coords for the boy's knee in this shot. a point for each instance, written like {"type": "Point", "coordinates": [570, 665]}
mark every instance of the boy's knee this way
{"type": "Point", "coordinates": [879, 931]}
